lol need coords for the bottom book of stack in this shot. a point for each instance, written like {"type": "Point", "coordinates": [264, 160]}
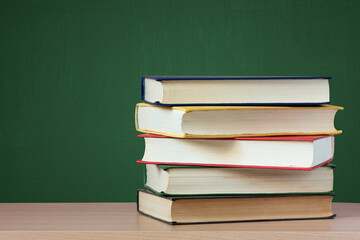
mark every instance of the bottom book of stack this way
{"type": "Point", "coordinates": [234, 208]}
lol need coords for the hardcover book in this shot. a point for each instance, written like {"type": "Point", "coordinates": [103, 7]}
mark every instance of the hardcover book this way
{"type": "Point", "coordinates": [234, 90]}
{"type": "Point", "coordinates": [235, 121]}
{"type": "Point", "coordinates": [217, 209]}
{"type": "Point", "coordinates": [291, 152]}
{"type": "Point", "coordinates": [186, 180]}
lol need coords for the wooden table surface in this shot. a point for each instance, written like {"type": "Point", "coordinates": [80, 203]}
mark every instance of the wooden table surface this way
{"type": "Point", "coordinates": [109, 221]}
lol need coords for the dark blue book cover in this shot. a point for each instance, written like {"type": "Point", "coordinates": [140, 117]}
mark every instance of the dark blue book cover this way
{"type": "Point", "coordinates": [235, 78]}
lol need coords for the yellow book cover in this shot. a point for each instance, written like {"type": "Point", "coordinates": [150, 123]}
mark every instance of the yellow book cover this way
{"type": "Point", "coordinates": [189, 109]}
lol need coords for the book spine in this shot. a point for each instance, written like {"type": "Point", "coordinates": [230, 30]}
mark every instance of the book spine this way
{"type": "Point", "coordinates": [143, 89]}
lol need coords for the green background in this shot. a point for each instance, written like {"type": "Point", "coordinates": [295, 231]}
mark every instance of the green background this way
{"type": "Point", "coordinates": [70, 78]}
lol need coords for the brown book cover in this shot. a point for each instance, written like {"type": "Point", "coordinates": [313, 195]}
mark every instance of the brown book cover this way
{"type": "Point", "coordinates": [176, 198]}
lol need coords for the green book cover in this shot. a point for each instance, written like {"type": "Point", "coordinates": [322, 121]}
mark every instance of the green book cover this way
{"type": "Point", "coordinates": [166, 167]}
{"type": "Point", "coordinates": [238, 194]}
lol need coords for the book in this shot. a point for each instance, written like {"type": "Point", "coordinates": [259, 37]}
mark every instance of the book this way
{"type": "Point", "coordinates": [291, 152]}
{"type": "Point", "coordinates": [234, 90]}
{"type": "Point", "coordinates": [235, 121]}
{"type": "Point", "coordinates": [217, 209]}
{"type": "Point", "coordinates": [184, 180]}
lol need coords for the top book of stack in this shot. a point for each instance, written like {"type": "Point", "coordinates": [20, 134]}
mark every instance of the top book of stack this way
{"type": "Point", "coordinates": [234, 90]}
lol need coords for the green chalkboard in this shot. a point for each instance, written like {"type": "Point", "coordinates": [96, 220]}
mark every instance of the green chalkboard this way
{"type": "Point", "coordinates": [70, 78]}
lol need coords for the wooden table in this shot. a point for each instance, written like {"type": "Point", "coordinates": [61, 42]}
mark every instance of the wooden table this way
{"type": "Point", "coordinates": [109, 221]}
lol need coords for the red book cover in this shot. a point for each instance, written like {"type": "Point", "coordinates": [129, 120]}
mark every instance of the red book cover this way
{"type": "Point", "coordinates": [235, 166]}
{"type": "Point", "coordinates": [270, 138]}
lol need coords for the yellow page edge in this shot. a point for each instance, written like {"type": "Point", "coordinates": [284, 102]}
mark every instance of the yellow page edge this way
{"type": "Point", "coordinates": [186, 135]}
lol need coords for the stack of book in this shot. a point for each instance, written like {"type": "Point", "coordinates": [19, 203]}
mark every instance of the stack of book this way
{"type": "Point", "coordinates": [228, 149]}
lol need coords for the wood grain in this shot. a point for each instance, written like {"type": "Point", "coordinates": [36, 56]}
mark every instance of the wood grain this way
{"type": "Point", "coordinates": [190, 235]}
{"type": "Point", "coordinates": [54, 221]}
